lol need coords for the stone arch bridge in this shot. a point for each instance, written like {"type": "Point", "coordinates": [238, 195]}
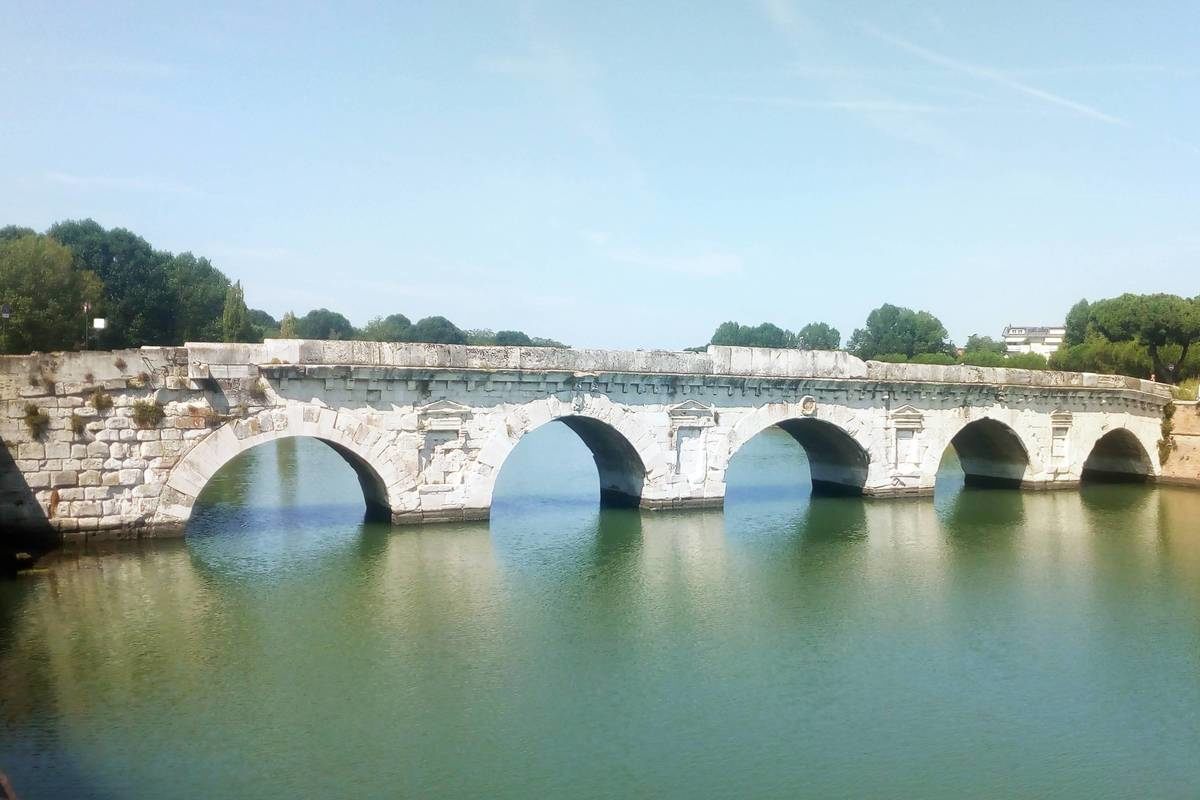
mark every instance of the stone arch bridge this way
{"type": "Point", "coordinates": [428, 427]}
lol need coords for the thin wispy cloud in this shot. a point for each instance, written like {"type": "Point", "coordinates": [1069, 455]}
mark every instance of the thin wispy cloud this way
{"type": "Point", "coordinates": [997, 77]}
{"type": "Point", "coordinates": [113, 183]}
{"type": "Point", "coordinates": [839, 105]}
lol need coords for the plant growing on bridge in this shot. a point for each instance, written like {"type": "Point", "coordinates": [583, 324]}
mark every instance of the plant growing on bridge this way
{"type": "Point", "coordinates": [78, 425]}
{"type": "Point", "coordinates": [148, 413]}
{"type": "Point", "coordinates": [1167, 443]}
{"type": "Point", "coordinates": [119, 363]}
{"type": "Point", "coordinates": [36, 420]}
{"type": "Point", "coordinates": [257, 391]}
{"type": "Point", "coordinates": [101, 401]}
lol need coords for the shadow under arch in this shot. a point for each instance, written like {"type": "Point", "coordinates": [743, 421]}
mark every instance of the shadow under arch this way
{"type": "Point", "coordinates": [837, 463]}
{"type": "Point", "coordinates": [374, 491]}
{"type": "Point", "coordinates": [1117, 457]}
{"type": "Point", "coordinates": [620, 468]}
{"type": "Point", "coordinates": [991, 453]}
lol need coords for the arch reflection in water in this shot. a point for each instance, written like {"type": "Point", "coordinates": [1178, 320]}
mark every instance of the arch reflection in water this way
{"type": "Point", "coordinates": [276, 506]}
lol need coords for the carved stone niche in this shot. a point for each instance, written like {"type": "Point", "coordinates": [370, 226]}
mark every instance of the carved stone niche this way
{"type": "Point", "coordinates": [808, 405]}
{"type": "Point", "coordinates": [907, 418]}
{"type": "Point", "coordinates": [907, 422]}
{"type": "Point", "coordinates": [692, 414]}
{"type": "Point", "coordinates": [442, 415]}
{"type": "Point", "coordinates": [1060, 418]}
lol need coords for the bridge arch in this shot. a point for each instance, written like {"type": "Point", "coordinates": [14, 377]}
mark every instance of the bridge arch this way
{"type": "Point", "coordinates": [620, 444]}
{"type": "Point", "coordinates": [1118, 456]}
{"type": "Point", "coordinates": [837, 461]}
{"type": "Point", "coordinates": [198, 465]}
{"type": "Point", "coordinates": [991, 453]}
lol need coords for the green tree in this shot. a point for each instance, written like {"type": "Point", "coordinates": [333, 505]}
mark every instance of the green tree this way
{"type": "Point", "coordinates": [977, 343]}
{"type": "Point", "coordinates": [46, 295]}
{"type": "Point", "coordinates": [199, 289]}
{"type": "Point", "coordinates": [765, 334]}
{"type": "Point", "coordinates": [513, 338]}
{"type": "Point", "coordinates": [287, 326]}
{"type": "Point", "coordinates": [138, 301]}
{"type": "Point", "coordinates": [818, 336]}
{"type": "Point", "coordinates": [392, 328]}
{"type": "Point", "coordinates": [1154, 320]}
{"type": "Point", "coordinates": [10, 232]}
{"type": "Point", "coordinates": [263, 324]}
{"type": "Point", "coordinates": [438, 330]}
{"type": "Point", "coordinates": [321, 323]}
{"type": "Point", "coordinates": [235, 319]}
{"type": "Point", "coordinates": [895, 329]}
{"type": "Point", "coordinates": [1077, 322]}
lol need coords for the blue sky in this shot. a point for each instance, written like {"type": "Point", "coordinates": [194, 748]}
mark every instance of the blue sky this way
{"type": "Point", "coordinates": [624, 174]}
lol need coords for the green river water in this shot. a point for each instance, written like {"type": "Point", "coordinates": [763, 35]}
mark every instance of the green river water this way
{"type": "Point", "coordinates": [982, 644]}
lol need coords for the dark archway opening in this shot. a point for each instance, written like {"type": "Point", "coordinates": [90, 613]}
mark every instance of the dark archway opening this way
{"type": "Point", "coordinates": [990, 455]}
{"type": "Point", "coordinates": [620, 468]}
{"type": "Point", "coordinates": [770, 467]}
{"type": "Point", "coordinates": [838, 464]}
{"type": "Point", "coordinates": [1117, 457]}
{"type": "Point", "coordinates": [550, 466]}
{"type": "Point", "coordinates": [291, 483]}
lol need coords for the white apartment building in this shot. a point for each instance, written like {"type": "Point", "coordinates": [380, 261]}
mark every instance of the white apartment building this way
{"type": "Point", "coordinates": [1034, 338]}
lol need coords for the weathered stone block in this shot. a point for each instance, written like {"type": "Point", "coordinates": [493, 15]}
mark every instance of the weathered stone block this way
{"type": "Point", "coordinates": [64, 478]}
{"type": "Point", "coordinates": [89, 477]}
{"type": "Point", "coordinates": [31, 450]}
{"type": "Point", "coordinates": [84, 508]}
{"type": "Point", "coordinates": [130, 477]}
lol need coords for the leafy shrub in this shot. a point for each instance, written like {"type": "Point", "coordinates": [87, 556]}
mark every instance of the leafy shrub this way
{"type": "Point", "coordinates": [893, 358]}
{"type": "Point", "coordinates": [1167, 443]}
{"type": "Point", "coordinates": [257, 391]}
{"type": "Point", "coordinates": [932, 358]}
{"type": "Point", "coordinates": [101, 401]}
{"type": "Point", "coordinates": [1186, 390]}
{"type": "Point", "coordinates": [1026, 361]}
{"type": "Point", "coordinates": [147, 413]}
{"type": "Point", "coordinates": [36, 420]}
{"type": "Point", "coordinates": [119, 363]}
{"type": "Point", "coordinates": [983, 358]}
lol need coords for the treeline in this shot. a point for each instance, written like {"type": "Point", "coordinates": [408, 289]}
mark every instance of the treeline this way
{"type": "Point", "coordinates": [1143, 336]}
{"type": "Point", "coordinates": [54, 283]}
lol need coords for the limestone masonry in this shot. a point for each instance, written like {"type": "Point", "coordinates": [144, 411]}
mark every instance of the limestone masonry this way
{"type": "Point", "coordinates": [124, 442]}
